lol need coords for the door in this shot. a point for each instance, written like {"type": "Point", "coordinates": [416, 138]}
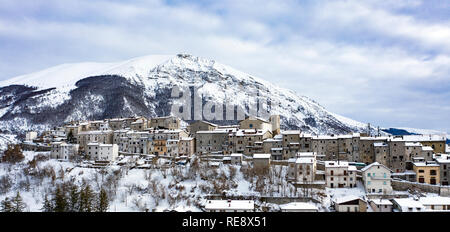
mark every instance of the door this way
{"type": "Point", "coordinates": [433, 181]}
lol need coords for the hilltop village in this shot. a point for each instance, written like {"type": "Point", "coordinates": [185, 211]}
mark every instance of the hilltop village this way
{"type": "Point", "coordinates": [394, 173]}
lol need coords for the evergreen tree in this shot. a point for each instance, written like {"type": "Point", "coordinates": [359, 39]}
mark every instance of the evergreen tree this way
{"type": "Point", "coordinates": [86, 199]}
{"type": "Point", "coordinates": [6, 205]}
{"type": "Point", "coordinates": [70, 137]}
{"type": "Point", "coordinates": [102, 204]}
{"type": "Point", "coordinates": [74, 199]}
{"type": "Point", "coordinates": [17, 203]}
{"type": "Point", "coordinates": [47, 207]}
{"type": "Point", "coordinates": [59, 201]}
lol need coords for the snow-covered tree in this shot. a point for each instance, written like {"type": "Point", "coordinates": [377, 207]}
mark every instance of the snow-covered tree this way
{"type": "Point", "coordinates": [17, 204]}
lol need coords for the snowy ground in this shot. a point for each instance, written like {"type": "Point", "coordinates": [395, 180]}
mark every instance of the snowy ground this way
{"type": "Point", "coordinates": [180, 188]}
{"type": "Point", "coordinates": [6, 139]}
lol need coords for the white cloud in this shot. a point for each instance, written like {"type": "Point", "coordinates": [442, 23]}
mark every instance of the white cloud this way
{"type": "Point", "coordinates": [355, 58]}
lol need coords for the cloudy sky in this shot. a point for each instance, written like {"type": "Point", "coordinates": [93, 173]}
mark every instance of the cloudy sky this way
{"type": "Point", "coordinates": [385, 62]}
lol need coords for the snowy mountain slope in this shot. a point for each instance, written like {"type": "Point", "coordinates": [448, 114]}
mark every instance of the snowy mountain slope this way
{"type": "Point", "coordinates": [408, 131]}
{"type": "Point", "coordinates": [143, 86]}
{"type": "Point", "coordinates": [422, 131]}
{"type": "Point", "coordinates": [66, 75]}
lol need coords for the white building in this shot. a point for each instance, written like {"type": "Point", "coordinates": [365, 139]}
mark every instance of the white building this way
{"type": "Point", "coordinates": [339, 174]}
{"type": "Point", "coordinates": [103, 152]}
{"type": "Point", "coordinates": [29, 136]}
{"type": "Point", "coordinates": [436, 203]}
{"type": "Point", "coordinates": [229, 206]}
{"type": "Point", "coordinates": [303, 168]}
{"type": "Point", "coordinates": [407, 205]}
{"type": "Point", "coordinates": [62, 150]}
{"type": "Point", "coordinates": [377, 178]}
{"type": "Point", "coordinates": [299, 207]}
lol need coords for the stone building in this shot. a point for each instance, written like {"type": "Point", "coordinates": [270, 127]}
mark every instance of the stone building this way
{"type": "Point", "coordinates": [444, 162]}
{"type": "Point", "coordinates": [85, 137]}
{"type": "Point", "coordinates": [211, 141]}
{"type": "Point", "coordinates": [201, 126]}
{"type": "Point", "coordinates": [169, 122]}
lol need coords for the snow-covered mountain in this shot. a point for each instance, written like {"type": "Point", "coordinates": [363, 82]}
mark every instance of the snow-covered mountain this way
{"type": "Point", "coordinates": [143, 86]}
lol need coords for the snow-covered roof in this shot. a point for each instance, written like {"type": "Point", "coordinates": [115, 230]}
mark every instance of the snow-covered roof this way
{"type": "Point", "coordinates": [271, 140]}
{"type": "Point", "coordinates": [419, 138]}
{"type": "Point", "coordinates": [427, 148]}
{"type": "Point", "coordinates": [217, 131]}
{"type": "Point", "coordinates": [413, 144]}
{"type": "Point", "coordinates": [352, 168]}
{"type": "Point", "coordinates": [107, 145]}
{"type": "Point", "coordinates": [380, 144]}
{"type": "Point", "coordinates": [236, 155]}
{"type": "Point", "coordinates": [442, 158]}
{"type": "Point", "coordinates": [425, 164]}
{"type": "Point", "coordinates": [230, 205]}
{"type": "Point", "coordinates": [381, 202]}
{"type": "Point", "coordinates": [330, 164]}
{"type": "Point", "coordinates": [226, 158]}
{"type": "Point", "coordinates": [290, 132]}
{"type": "Point", "coordinates": [306, 154]}
{"type": "Point", "coordinates": [438, 200]}
{"type": "Point", "coordinates": [373, 165]}
{"type": "Point", "coordinates": [261, 156]}
{"type": "Point", "coordinates": [304, 160]}
{"type": "Point", "coordinates": [347, 199]}
{"type": "Point", "coordinates": [378, 138]}
{"type": "Point", "coordinates": [94, 132]}
{"type": "Point", "coordinates": [405, 203]}
{"type": "Point", "coordinates": [250, 132]}
{"type": "Point", "coordinates": [298, 206]}
{"type": "Point", "coordinates": [278, 137]}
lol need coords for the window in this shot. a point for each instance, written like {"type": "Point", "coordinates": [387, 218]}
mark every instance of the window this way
{"type": "Point", "coordinates": [432, 172]}
{"type": "Point", "coordinates": [385, 176]}
{"type": "Point", "coordinates": [368, 174]}
{"type": "Point", "coordinates": [384, 182]}
{"type": "Point", "coordinates": [368, 182]}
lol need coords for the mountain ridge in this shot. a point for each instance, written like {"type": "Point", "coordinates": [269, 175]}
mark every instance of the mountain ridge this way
{"type": "Point", "coordinates": [146, 84]}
